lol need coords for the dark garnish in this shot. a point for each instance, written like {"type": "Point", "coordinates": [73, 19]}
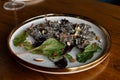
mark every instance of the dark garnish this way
{"type": "Point", "coordinates": [39, 42]}
{"type": "Point", "coordinates": [62, 63]}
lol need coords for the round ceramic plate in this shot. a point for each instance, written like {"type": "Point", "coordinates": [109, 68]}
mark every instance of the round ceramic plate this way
{"type": "Point", "coordinates": [47, 66]}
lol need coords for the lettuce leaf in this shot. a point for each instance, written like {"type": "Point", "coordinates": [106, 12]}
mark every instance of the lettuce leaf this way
{"type": "Point", "coordinates": [27, 45]}
{"type": "Point", "coordinates": [50, 48]}
{"type": "Point", "coordinates": [88, 52]}
{"type": "Point", "coordinates": [20, 38]}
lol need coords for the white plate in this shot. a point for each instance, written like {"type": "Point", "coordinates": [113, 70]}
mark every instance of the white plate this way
{"type": "Point", "coordinates": [47, 66]}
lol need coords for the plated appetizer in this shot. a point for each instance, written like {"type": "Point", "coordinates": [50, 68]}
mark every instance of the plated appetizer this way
{"type": "Point", "coordinates": [55, 39]}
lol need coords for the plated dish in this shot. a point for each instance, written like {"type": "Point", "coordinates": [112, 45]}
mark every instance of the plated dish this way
{"type": "Point", "coordinates": [59, 43]}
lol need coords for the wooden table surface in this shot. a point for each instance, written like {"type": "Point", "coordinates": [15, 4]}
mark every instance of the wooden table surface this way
{"type": "Point", "coordinates": [105, 14]}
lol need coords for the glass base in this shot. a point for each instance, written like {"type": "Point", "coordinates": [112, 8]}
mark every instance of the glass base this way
{"type": "Point", "coordinates": [13, 5]}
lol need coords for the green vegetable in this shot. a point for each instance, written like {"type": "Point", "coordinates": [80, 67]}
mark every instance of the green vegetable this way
{"type": "Point", "coordinates": [20, 38]}
{"type": "Point", "coordinates": [50, 48]}
{"type": "Point", "coordinates": [92, 47]}
{"type": "Point", "coordinates": [27, 45]}
{"type": "Point", "coordinates": [69, 57]}
{"type": "Point", "coordinates": [84, 56]}
{"type": "Point", "coordinates": [88, 52]}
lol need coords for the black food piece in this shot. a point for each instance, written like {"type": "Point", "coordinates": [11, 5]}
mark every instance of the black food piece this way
{"type": "Point", "coordinates": [62, 63]}
{"type": "Point", "coordinates": [67, 49]}
{"type": "Point", "coordinates": [39, 42]}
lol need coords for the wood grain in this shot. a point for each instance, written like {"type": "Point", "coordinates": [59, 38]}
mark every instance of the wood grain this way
{"type": "Point", "coordinates": [105, 14]}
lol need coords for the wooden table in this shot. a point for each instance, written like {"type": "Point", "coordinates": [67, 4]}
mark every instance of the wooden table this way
{"type": "Point", "coordinates": [105, 14]}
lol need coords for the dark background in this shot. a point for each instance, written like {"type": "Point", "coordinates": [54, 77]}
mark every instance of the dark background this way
{"type": "Point", "coordinates": [116, 2]}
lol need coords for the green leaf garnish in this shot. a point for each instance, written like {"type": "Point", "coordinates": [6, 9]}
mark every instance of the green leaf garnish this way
{"type": "Point", "coordinates": [50, 47]}
{"type": "Point", "coordinates": [91, 48]}
{"type": "Point", "coordinates": [69, 57]}
{"type": "Point", "coordinates": [27, 45]}
{"type": "Point", "coordinates": [88, 52]}
{"type": "Point", "coordinates": [84, 56]}
{"type": "Point", "coordinates": [20, 38]}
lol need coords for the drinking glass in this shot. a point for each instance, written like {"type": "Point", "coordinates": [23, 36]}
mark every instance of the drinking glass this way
{"type": "Point", "coordinates": [14, 5]}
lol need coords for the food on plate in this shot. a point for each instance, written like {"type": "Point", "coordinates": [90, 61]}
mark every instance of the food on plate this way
{"type": "Point", "coordinates": [55, 39]}
{"type": "Point", "coordinates": [38, 59]}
